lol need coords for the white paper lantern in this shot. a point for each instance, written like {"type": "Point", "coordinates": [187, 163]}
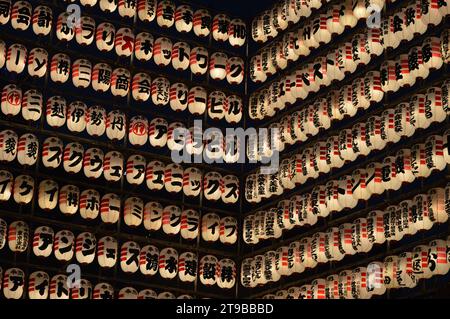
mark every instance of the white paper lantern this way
{"type": "Point", "coordinates": [133, 211]}
{"type": "Point", "coordinates": [248, 232]}
{"type": "Point", "coordinates": [93, 163]}
{"type": "Point", "coordinates": [171, 220]}
{"type": "Point", "coordinates": [60, 68]}
{"type": "Point", "coordinates": [140, 87]}
{"type": "Point", "coordinates": [162, 51]}
{"type": "Point", "coordinates": [165, 14]}
{"type": "Point", "coordinates": [168, 263]}
{"type": "Point", "coordinates": [37, 62]}
{"type": "Point", "coordinates": [148, 260]}
{"type": "Point", "coordinates": [120, 82]}
{"type": "Point", "coordinates": [23, 189]}
{"type": "Point", "coordinates": [81, 73]}
{"type": "Point", "coordinates": [375, 227]}
{"type": "Point", "coordinates": [173, 178]}
{"type": "Point", "coordinates": [16, 58]}
{"type": "Point", "coordinates": [18, 236]}
{"type": "Point", "coordinates": [113, 166]}
{"type": "Point", "coordinates": [160, 91]}
{"type": "Point", "coordinates": [11, 100]}
{"type": "Point", "coordinates": [32, 104]}
{"type": "Point", "coordinates": [147, 10]}
{"type": "Point", "coordinates": [85, 31]}
{"type": "Point", "coordinates": [43, 241]}
{"type": "Point", "coordinates": [437, 255]}
{"type": "Point", "coordinates": [420, 210]}
{"type": "Point", "coordinates": [56, 111]}
{"type": "Point", "coordinates": [389, 81]}
{"type": "Point", "coordinates": [237, 32]}
{"type": "Point", "coordinates": [220, 24]}
{"type": "Point", "coordinates": [374, 133]}
{"type": "Point", "coordinates": [27, 150]}
{"type": "Point", "coordinates": [138, 130]}
{"type": "Point", "coordinates": [154, 175]}
{"type": "Point", "coordinates": [180, 56]}
{"type": "Point", "coordinates": [107, 251]}
{"type": "Point", "coordinates": [127, 9]}
{"type": "Point", "coordinates": [89, 204]}
{"type": "Point", "coordinates": [189, 226]}
{"type": "Point", "coordinates": [13, 283]}
{"type": "Point", "coordinates": [212, 182]}
{"type": "Point", "coordinates": [6, 182]}
{"type": "Point", "coordinates": [202, 23]}
{"type": "Point", "coordinates": [69, 199]}
{"type": "Point", "coordinates": [64, 245]}
{"type": "Point", "coordinates": [107, 6]}
{"type": "Point", "coordinates": [38, 285]}
{"type": "Point", "coordinates": [153, 212]}
{"type": "Point", "coordinates": [101, 77]}
{"type": "Point", "coordinates": [76, 116]}
{"type": "Point", "coordinates": [85, 247]}
{"type": "Point", "coordinates": [129, 257]}
{"type": "Point", "coordinates": [47, 194]}
{"type": "Point", "coordinates": [73, 158]}
{"type": "Point", "coordinates": [420, 261]}
{"type": "Point", "coordinates": [143, 46]}
{"type": "Point", "coordinates": [210, 227]}
{"type": "Point", "coordinates": [127, 293]}
{"type": "Point", "coordinates": [83, 291]}
{"type": "Point", "coordinates": [187, 267]}
{"type": "Point", "coordinates": [406, 277]}
{"type": "Point", "coordinates": [226, 273]}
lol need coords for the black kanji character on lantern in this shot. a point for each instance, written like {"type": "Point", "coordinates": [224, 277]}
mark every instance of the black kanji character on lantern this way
{"type": "Point", "coordinates": [42, 287]}
{"type": "Point", "coordinates": [209, 271]}
{"type": "Point", "coordinates": [63, 67]}
{"type": "Point", "coordinates": [72, 199]}
{"type": "Point", "coordinates": [117, 123]}
{"type": "Point", "coordinates": [205, 22]}
{"type": "Point", "coordinates": [32, 149]}
{"type": "Point", "coordinates": [144, 86]}
{"type": "Point", "coordinates": [226, 274]}
{"type": "Point", "coordinates": [122, 82]}
{"type": "Point", "coordinates": [88, 247]}
{"type": "Point", "coordinates": [77, 114]}
{"type": "Point", "coordinates": [104, 76]}
{"type": "Point", "coordinates": [44, 19]}
{"type": "Point", "coordinates": [426, 53]}
{"type": "Point", "coordinates": [152, 261]}
{"type": "Point", "coordinates": [398, 24]}
{"type": "Point", "coordinates": [57, 110]}
{"type": "Point", "coordinates": [190, 268]}
{"type": "Point", "coordinates": [5, 8]}
{"type": "Point", "coordinates": [171, 264]}
{"type": "Point", "coordinates": [187, 17]}
{"type": "Point", "coordinates": [10, 146]}
{"type": "Point", "coordinates": [24, 15]}
{"type": "Point", "coordinates": [413, 60]}
{"type": "Point", "coordinates": [167, 13]}
{"type": "Point", "coordinates": [96, 118]}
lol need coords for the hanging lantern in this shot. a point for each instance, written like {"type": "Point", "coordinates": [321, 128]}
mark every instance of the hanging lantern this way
{"type": "Point", "coordinates": [168, 263]}
{"type": "Point", "coordinates": [359, 283]}
{"type": "Point", "coordinates": [360, 236]}
{"type": "Point", "coordinates": [157, 132]}
{"type": "Point", "coordinates": [346, 148]}
{"type": "Point", "coordinates": [389, 81]}
{"type": "Point", "coordinates": [8, 145]}
{"type": "Point", "coordinates": [27, 149]}
{"type": "Point", "coordinates": [38, 285]}
{"type": "Point", "coordinates": [318, 247]}
{"type": "Point", "coordinates": [389, 174]}
{"type": "Point", "coordinates": [13, 283]}
{"type": "Point", "coordinates": [107, 252]}
{"type": "Point", "coordinates": [228, 230]}
{"type": "Point", "coordinates": [212, 182]}
{"type": "Point", "coordinates": [129, 257]}
{"type": "Point", "coordinates": [420, 261]}
{"type": "Point", "coordinates": [11, 100]}
{"type": "Point", "coordinates": [133, 212]}
{"type": "Point", "coordinates": [18, 236]}
{"type": "Point", "coordinates": [76, 116]}
{"type": "Point", "coordinates": [237, 32]}
{"type": "Point", "coordinates": [332, 287]}
{"type": "Point", "coordinates": [434, 153]}
{"type": "Point", "coordinates": [160, 91]}
{"type": "Point", "coordinates": [56, 111]}
{"type": "Point", "coordinates": [226, 273]}
{"type": "Point", "coordinates": [404, 218]}
{"type": "Point", "coordinates": [419, 163]}
{"type": "Point", "coordinates": [434, 105]}
{"type": "Point", "coordinates": [63, 245]}
{"type": "Point", "coordinates": [247, 273]}
{"type": "Point", "coordinates": [60, 68]}
{"type": "Point", "coordinates": [271, 227]}
{"type": "Point", "coordinates": [187, 267]}
{"type": "Point", "coordinates": [93, 163]}
{"type": "Point", "coordinates": [120, 82]}
{"type": "Point", "coordinates": [346, 198]}
{"type": "Point", "coordinates": [154, 175]}
{"type": "Point", "coordinates": [6, 180]}
{"type": "Point", "coordinates": [198, 61]}
{"type": "Point", "coordinates": [23, 189]}
{"type": "Point", "coordinates": [437, 255]}
{"type": "Point", "coordinates": [85, 31]}
{"type": "Point", "coordinates": [21, 12]}
{"type": "Point", "coordinates": [135, 173]}
{"type": "Point", "coordinates": [16, 58]}
{"type": "Point", "coordinates": [257, 30]}
{"type": "Point", "coordinates": [180, 56]}
{"type": "Point", "coordinates": [127, 293]}
{"type": "Point", "coordinates": [210, 227]}
{"type": "Point", "coordinates": [108, 6]}
{"type": "Point", "coordinates": [147, 10]}
{"type": "Point", "coordinates": [138, 130]}
{"type": "Point", "coordinates": [197, 98]}
{"type": "Point", "coordinates": [305, 251]}
{"type": "Point", "coordinates": [269, 272]}
{"type": "Point", "coordinates": [173, 178]}
{"type": "Point", "coordinates": [83, 291]}
{"type": "Point", "coordinates": [43, 241]}
{"type": "Point", "coordinates": [437, 209]}
{"type": "Point", "coordinates": [89, 204]}
{"type": "Point", "coordinates": [148, 260]}
{"type": "Point", "coordinates": [101, 77]}
{"type": "Point", "coordinates": [115, 123]}
{"type": "Point", "coordinates": [217, 66]}
{"type": "Point", "coordinates": [110, 208]}
{"type": "Point", "coordinates": [374, 180]}
{"type": "Point", "coordinates": [37, 62]}
{"type": "Point", "coordinates": [403, 161]}
{"type": "Point", "coordinates": [257, 74]}
{"type": "Point", "coordinates": [189, 224]}
{"type": "Point", "coordinates": [406, 277]}
{"type": "Point", "coordinates": [73, 158]}
{"type": "Point", "coordinates": [249, 230]}
{"type": "Point", "coordinates": [345, 239]}
{"type": "Point", "coordinates": [421, 210]}
{"type": "Point", "coordinates": [220, 25]}
{"type": "Point", "coordinates": [85, 248]}
{"type": "Point", "coordinates": [143, 46]}
{"type": "Point", "coordinates": [165, 13]}
{"type": "Point", "coordinates": [32, 103]}
{"type": "Point", "coordinates": [52, 151]}
{"type": "Point", "coordinates": [192, 181]}
{"type": "Point", "coordinates": [4, 18]}
{"type": "Point", "coordinates": [127, 9]}
{"type": "Point", "coordinates": [375, 278]}
{"type": "Point", "coordinates": [178, 95]}
{"type": "Point", "coordinates": [113, 166]}
{"type": "Point", "coordinates": [202, 23]}
{"type": "Point", "coordinates": [375, 227]}
{"type": "Point", "coordinates": [230, 191]}
{"type": "Point", "coordinates": [183, 18]}
{"type": "Point", "coordinates": [208, 269]}
{"type": "Point", "coordinates": [81, 73]}
{"type": "Point", "coordinates": [105, 37]}
{"type": "Point", "coordinates": [216, 105]}
{"type": "Point", "coordinates": [162, 51]}
{"type": "Point", "coordinates": [171, 220]}
{"type": "Point", "coordinates": [153, 216]}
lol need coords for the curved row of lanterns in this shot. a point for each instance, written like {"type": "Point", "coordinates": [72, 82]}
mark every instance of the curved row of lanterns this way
{"type": "Point", "coordinates": [22, 15]}
{"type": "Point", "coordinates": [400, 26]}
{"type": "Point", "coordinates": [360, 140]}
{"type": "Point", "coordinates": [95, 163]}
{"type": "Point", "coordinates": [344, 193]}
{"type": "Point", "coordinates": [394, 74]}
{"type": "Point", "coordinates": [396, 221]}
{"type": "Point", "coordinates": [90, 204]}
{"type": "Point", "coordinates": [394, 272]}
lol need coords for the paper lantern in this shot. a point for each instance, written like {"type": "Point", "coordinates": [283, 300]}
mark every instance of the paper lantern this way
{"type": "Point", "coordinates": [113, 166]}
{"type": "Point", "coordinates": [178, 96]}
{"type": "Point", "coordinates": [148, 260]}
{"type": "Point", "coordinates": [127, 9]}
{"type": "Point", "coordinates": [93, 163]}
{"type": "Point", "coordinates": [60, 68]}
{"type": "Point", "coordinates": [138, 130]}
{"type": "Point", "coordinates": [56, 111]}
{"type": "Point", "coordinates": [85, 248]}
{"type": "Point", "coordinates": [230, 190]}
{"type": "Point", "coordinates": [217, 66]}
{"type": "Point", "coordinates": [18, 236]}
{"type": "Point", "coordinates": [259, 224]}
{"type": "Point", "coordinates": [360, 236]}
{"type": "Point", "coordinates": [11, 100]}
{"type": "Point", "coordinates": [173, 178]}
{"type": "Point", "coordinates": [332, 196]}
{"type": "Point", "coordinates": [226, 273]}
{"type": "Point", "coordinates": [305, 251]}
{"type": "Point", "coordinates": [129, 257]}
{"type": "Point", "coordinates": [4, 17]}
{"type": "Point", "coordinates": [258, 267]}
{"type": "Point", "coordinates": [220, 25]}
{"type": "Point", "coordinates": [171, 220]}
{"type": "Point", "coordinates": [107, 6]}
{"type": "Point", "coordinates": [153, 212]}
{"type": "Point", "coordinates": [212, 182]}
{"type": "Point", "coordinates": [16, 58]}
{"type": "Point", "coordinates": [375, 227]}
{"type": "Point", "coordinates": [37, 62]}
{"type": "Point", "coordinates": [143, 46]}
{"type": "Point", "coordinates": [107, 250]}
{"type": "Point", "coordinates": [133, 211]}
{"type": "Point", "coordinates": [146, 10]}
{"type": "Point", "coordinates": [52, 150]}
{"type": "Point", "coordinates": [183, 18]}
{"type": "Point", "coordinates": [120, 82]}
{"type": "Point", "coordinates": [420, 261]}
{"type": "Point", "coordinates": [89, 204]}
{"type": "Point", "coordinates": [437, 256]}
{"type": "Point", "coordinates": [404, 218]}
{"type": "Point", "coordinates": [375, 137]}
{"type": "Point", "coordinates": [23, 189]}
{"type": "Point", "coordinates": [390, 272]}
{"type": "Point", "coordinates": [81, 73]}
{"type": "Point", "coordinates": [110, 208]}
{"type": "Point", "coordinates": [419, 165]}
{"type": "Point", "coordinates": [73, 158]}
{"type": "Point", "coordinates": [257, 30]}
{"type": "Point", "coordinates": [318, 247]}
{"type": "Point", "coordinates": [162, 51]}
{"type": "Point", "coordinates": [332, 287]}
{"type": "Point", "coordinates": [404, 120]}
{"type": "Point", "coordinates": [165, 14]}
{"type": "Point", "coordinates": [228, 230]}
{"type": "Point", "coordinates": [201, 23]}
{"type": "Point", "coordinates": [76, 116]}
{"type": "Point", "coordinates": [237, 32]}
{"type": "Point", "coordinates": [140, 86]}
{"type": "Point", "coordinates": [403, 73]}
{"type": "Point", "coordinates": [38, 285]}
{"type": "Point", "coordinates": [63, 245]}
{"type": "Point", "coordinates": [271, 227]}
{"type": "Point", "coordinates": [345, 100]}
{"type": "Point", "coordinates": [359, 138]}
{"type": "Point", "coordinates": [210, 227]}
{"type": "Point", "coordinates": [101, 77]}
{"type": "Point", "coordinates": [247, 272]}
{"type": "Point", "coordinates": [346, 198]}
{"type": "Point", "coordinates": [375, 278]}
{"type": "Point", "coordinates": [256, 72]}
{"type": "Point", "coordinates": [420, 210]}
{"type": "Point", "coordinates": [160, 91]}
{"type": "Point", "coordinates": [269, 273]}
{"type": "Point", "coordinates": [389, 174]}
{"type": "Point", "coordinates": [168, 263]}
{"type": "Point", "coordinates": [180, 56]}
{"type": "Point", "coordinates": [434, 153]}
{"type": "Point", "coordinates": [389, 81]}
{"type": "Point", "coordinates": [403, 162]}
{"type": "Point", "coordinates": [65, 29]}
{"type": "Point", "coordinates": [265, 63]}
{"type": "Point", "coordinates": [69, 199]}
{"type": "Point", "coordinates": [374, 182]}
{"type": "Point", "coordinates": [83, 291]}
{"type": "Point", "coordinates": [189, 224]}
{"type": "Point", "coordinates": [187, 267]}
{"type": "Point", "coordinates": [434, 104]}
{"type": "Point", "coordinates": [345, 239]}
{"type": "Point", "coordinates": [32, 103]}
{"type": "Point", "coordinates": [48, 194]}
{"type": "Point", "coordinates": [157, 132]}
{"type": "Point", "coordinates": [405, 275]}
{"type": "Point", "coordinates": [6, 182]}
{"type": "Point", "coordinates": [154, 175]}
{"type": "Point", "coordinates": [231, 149]}
{"type": "Point", "coordinates": [251, 193]}
{"type": "Point", "coordinates": [248, 232]}
{"type": "Point", "coordinates": [198, 60]}
{"type": "Point", "coordinates": [197, 98]}
{"type": "Point", "coordinates": [391, 31]}
{"type": "Point", "coordinates": [391, 230]}
{"type": "Point", "coordinates": [346, 145]}
{"type": "Point", "coordinates": [127, 293]}
{"type": "Point", "coordinates": [85, 31]}
{"type": "Point", "coordinates": [13, 283]}
{"type": "Point", "coordinates": [321, 33]}
{"type": "Point", "coordinates": [436, 200]}
{"type": "Point", "coordinates": [417, 63]}
{"type": "Point", "coordinates": [27, 150]}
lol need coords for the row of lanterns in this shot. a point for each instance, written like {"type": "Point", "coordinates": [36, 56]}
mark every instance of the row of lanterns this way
{"type": "Point", "coordinates": [336, 195]}
{"type": "Point", "coordinates": [119, 81]}
{"type": "Point", "coordinates": [360, 140]}
{"type": "Point", "coordinates": [95, 163]}
{"type": "Point", "coordinates": [22, 15]}
{"type": "Point", "coordinates": [394, 272]}
{"type": "Point", "coordinates": [148, 260]}
{"type": "Point", "coordinates": [396, 221]}
{"type": "Point", "coordinates": [393, 74]}
{"type": "Point", "coordinates": [69, 200]}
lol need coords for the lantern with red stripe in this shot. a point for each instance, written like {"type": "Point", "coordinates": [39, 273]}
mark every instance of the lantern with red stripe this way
{"type": "Point", "coordinates": [110, 208]}
{"type": "Point", "coordinates": [198, 61]}
{"type": "Point", "coordinates": [157, 132]}
{"type": "Point", "coordinates": [226, 273]}
{"type": "Point", "coordinates": [187, 267]}
{"type": "Point", "coordinates": [143, 46]}
{"type": "Point", "coordinates": [202, 23]}
{"type": "Point", "coordinates": [65, 28]}
{"type": "Point", "coordinates": [359, 144]}
{"type": "Point", "coordinates": [127, 293]}
{"type": "Point", "coordinates": [404, 169]}
{"type": "Point", "coordinates": [332, 196]}
{"type": "Point", "coordinates": [173, 178]}
{"type": "Point", "coordinates": [388, 127]}
{"type": "Point", "coordinates": [235, 70]}
{"type": "Point", "coordinates": [16, 58]}
{"type": "Point", "coordinates": [345, 101]}
{"type": "Point", "coordinates": [421, 110]}
{"type": "Point", "coordinates": [93, 163]}
{"type": "Point", "coordinates": [165, 13]}
{"type": "Point", "coordinates": [359, 283]}
{"type": "Point", "coordinates": [230, 189]}
{"type": "Point", "coordinates": [346, 198]}
{"type": "Point", "coordinates": [120, 82]}
{"type": "Point", "coordinates": [183, 18]}
{"type": "Point", "coordinates": [27, 149]}
{"type": "Point", "coordinates": [171, 220]}
{"type": "Point", "coordinates": [38, 285]}
{"type": "Point", "coordinates": [437, 198]}
{"type": "Point", "coordinates": [153, 216]}
{"type": "Point", "coordinates": [406, 277]}
{"type": "Point", "coordinates": [404, 212]}
{"type": "Point", "coordinates": [115, 125]}
{"type": "Point", "coordinates": [216, 105]}
{"type": "Point", "coordinates": [416, 57]}
{"type": "Point", "coordinates": [434, 104]}
{"type": "Point", "coordinates": [136, 165]}
{"type": "Point", "coordinates": [192, 181]}
{"type": "Point", "coordinates": [105, 36]}
{"type": "Point", "coordinates": [160, 91]}
{"type": "Point", "coordinates": [37, 62]}
{"type": "Point", "coordinates": [434, 152]}
{"type": "Point", "coordinates": [81, 291]}
{"type": "Point", "coordinates": [258, 31]}
{"type": "Point", "coordinates": [445, 46]}
{"type": "Point", "coordinates": [101, 77]}
{"type": "Point", "coordinates": [129, 257]}
{"type": "Point", "coordinates": [181, 53]}
{"type": "Point", "coordinates": [220, 25]}
{"type": "Point", "coordinates": [76, 116]}
{"type": "Point", "coordinates": [8, 145]}
{"type": "Point", "coordinates": [389, 81]}
{"type": "Point", "coordinates": [13, 283]}
{"type": "Point", "coordinates": [438, 256]}
{"type": "Point", "coordinates": [421, 209]}
{"type": "Point", "coordinates": [421, 263]}
{"type": "Point", "coordinates": [419, 163]}
{"type": "Point", "coordinates": [331, 287]}
{"type": "Point", "coordinates": [374, 181]}
{"type": "Point", "coordinates": [23, 189]}
{"type": "Point", "coordinates": [217, 66]}
{"type": "Point", "coordinates": [194, 140]}
{"type": "Point", "coordinates": [189, 224]}
{"type": "Point", "coordinates": [178, 94]}
{"type": "Point", "coordinates": [85, 247]}
{"type": "Point", "coordinates": [162, 51]}
{"type": "Point", "coordinates": [306, 257]}
{"type": "Point", "coordinates": [212, 186]}
{"type": "Point", "coordinates": [389, 174]}
{"type": "Point", "coordinates": [318, 289]}
{"type": "Point", "coordinates": [346, 145]}
{"type": "Point", "coordinates": [168, 263]}
{"type": "Point", "coordinates": [60, 68]}
{"type": "Point", "coordinates": [249, 230]}
{"type": "Point", "coordinates": [138, 130]}
{"type": "Point", "coordinates": [176, 136]}
{"type": "Point", "coordinates": [228, 230]}
{"type": "Point", "coordinates": [32, 102]}
{"type": "Point", "coordinates": [405, 78]}
{"type": "Point", "coordinates": [124, 42]}
{"type": "Point", "coordinates": [21, 12]}
{"type": "Point", "coordinates": [6, 180]}
{"type": "Point", "coordinates": [237, 32]}
{"type": "Point", "coordinates": [197, 99]}
{"type": "Point", "coordinates": [11, 100]}
{"type": "Point", "coordinates": [4, 18]}
{"type": "Point", "coordinates": [52, 151]}
{"type": "Point", "coordinates": [208, 270]}
{"type": "Point", "coordinates": [148, 260]}
{"type": "Point", "coordinates": [375, 227]}
{"type": "Point", "coordinates": [374, 135]}
{"type": "Point", "coordinates": [360, 237]}
{"type": "Point", "coordinates": [113, 166]}
{"type": "Point", "coordinates": [73, 158]}
{"type": "Point", "coordinates": [146, 10]}
{"type": "Point", "coordinates": [375, 278]}
{"type": "Point", "coordinates": [43, 241]}
{"type": "Point", "coordinates": [89, 204]}
{"type": "Point", "coordinates": [85, 31]}
{"type": "Point", "coordinates": [127, 9]}
{"type": "Point", "coordinates": [391, 230]}
{"type": "Point", "coordinates": [18, 236]}
{"type": "Point", "coordinates": [335, 23]}
{"type": "Point", "coordinates": [107, 252]}
{"type": "Point", "coordinates": [210, 227]}
{"type": "Point", "coordinates": [81, 73]}
{"type": "Point", "coordinates": [63, 245]}
{"type": "Point", "coordinates": [56, 111]}
{"type": "Point", "coordinates": [154, 175]}
{"type": "Point", "coordinates": [318, 247]}
{"type": "Point", "coordinates": [345, 239]}
{"type": "Point", "coordinates": [133, 211]}
{"type": "Point", "coordinates": [320, 33]}
{"type": "Point", "coordinates": [247, 273]}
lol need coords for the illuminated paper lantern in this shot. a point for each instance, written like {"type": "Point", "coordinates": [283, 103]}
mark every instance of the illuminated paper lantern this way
{"type": "Point", "coordinates": [148, 260]}
{"type": "Point", "coordinates": [157, 132]}
{"type": "Point", "coordinates": [129, 257]}
{"type": "Point", "coordinates": [230, 189]}
{"type": "Point", "coordinates": [181, 56]}
{"type": "Point", "coordinates": [52, 151]}
{"type": "Point", "coordinates": [85, 247]}
{"type": "Point", "coordinates": [81, 73]}
{"type": "Point", "coordinates": [375, 136]}
{"type": "Point", "coordinates": [171, 220]}
{"type": "Point", "coordinates": [43, 241]}
{"type": "Point", "coordinates": [143, 46]}
{"type": "Point", "coordinates": [217, 66]}
{"type": "Point", "coordinates": [120, 82]}
{"type": "Point", "coordinates": [6, 180]}
{"type": "Point", "coordinates": [420, 261]}
{"type": "Point", "coordinates": [178, 94]}
{"type": "Point", "coordinates": [95, 121]}
{"type": "Point", "coordinates": [107, 251]}
{"type": "Point", "coordinates": [146, 10]}
{"type": "Point", "coordinates": [107, 6]}
{"type": "Point", "coordinates": [101, 77]}
{"type": "Point", "coordinates": [421, 210]}
{"type": "Point", "coordinates": [56, 111]}
{"type": "Point", "coordinates": [220, 25]}
{"type": "Point", "coordinates": [198, 60]}
{"type": "Point", "coordinates": [257, 30]}
{"type": "Point", "coordinates": [403, 162]}
{"type": "Point", "coordinates": [85, 31]}
{"type": "Point", "coordinates": [437, 255]}
{"type": "Point", "coordinates": [154, 175]}
{"type": "Point", "coordinates": [192, 181]}
{"type": "Point", "coordinates": [138, 130]}
{"type": "Point", "coordinates": [168, 263]}
{"type": "Point", "coordinates": [375, 278]}
{"type": "Point", "coordinates": [389, 81]}
{"type": "Point", "coordinates": [133, 211]}
{"type": "Point", "coordinates": [359, 138]}
{"type": "Point", "coordinates": [83, 291]}
{"type": "Point", "coordinates": [89, 204]}
{"type": "Point", "coordinates": [391, 32]}
{"type": "Point", "coordinates": [374, 180]}
{"type": "Point", "coordinates": [16, 58]}
{"type": "Point", "coordinates": [60, 68]}
{"type": "Point", "coordinates": [160, 91]}
{"type": "Point", "coordinates": [201, 23]}
{"type": "Point", "coordinates": [153, 212]}
{"type": "Point", "coordinates": [331, 287]}
{"type": "Point", "coordinates": [64, 245]}
{"type": "Point", "coordinates": [13, 283]}
{"type": "Point", "coordinates": [375, 227]}
{"type": "Point", "coordinates": [345, 192]}
{"type": "Point", "coordinates": [248, 232]}
{"type": "Point", "coordinates": [65, 29]}
{"type": "Point", "coordinates": [235, 70]}
{"type": "Point", "coordinates": [23, 189]}
{"type": "Point", "coordinates": [127, 293]}
{"type": "Point", "coordinates": [27, 149]}
{"type": "Point", "coordinates": [406, 277]}
{"type": "Point", "coordinates": [113, 166]}
{"type": "Point", "coordinates": [176, 136]}
{"type": "Point", "coordinates": [269, 273]}
{"type": "Point", "coordinates": [212, 182]}
{"type": "Point", "coordinates": [197, 98]}
{"type": "Point", "coordinates": [210, 227]}
{"type": "Point", "coordinates": [37, 62]}
{"type": "Point", "coordinates": [93, 163]}
{"type": "Point", "coordinates": [419, 163]}
{"type": "Point", "coordinates": [404, 218]}
{"type": "Point", "coordinates": [11, 100]}
{"type": "Point", "coordinates": [403, 73]}
{"type": "Point", "coordinates": [73, 158]}
{"type": "Point", "coordinates": [189, 224]}
{"type": "Point", "coordinates": [38, 285]}
{"type": "Point", "coordinates": [187, 267]}
{"type": "Point", "coordinates": [140, 87]}
{"type": "Point", "coordinates": [226, 273]}
{"type": "Point", "coordinates": [184, 18]}
{"type": "Point", "coordinates": [18, 236]}
{"type": "Point", "coordinates": [127, 9]}
{"type": "Point", "coordinates": [165, 14]}
{"type": "Point", "coordinates": [346, 150]}
{"type": "Point", "coordinates": [434, 153]}
{"type": "Point", "coordinates": [162, 51]}
{"type": "Point", "coordinates": [32, 104]}
{"type": "Point", "coordinates": [76, 116]}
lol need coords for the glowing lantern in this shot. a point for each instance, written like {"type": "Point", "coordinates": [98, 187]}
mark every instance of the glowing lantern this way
{"type": "Point", "coordinates": [110, 208]}
{"type": "Point", "coordinates": [89, 204]}
{"type": "Point", "coordinates": [375, 227]}
{"type": "Point", "coordinates": [226, 273]}
{"type": "Point", "coordinates": [23, 189]}
{"type": "Point", "coordinates": [56, 111]}
{"type": "Point", "coordinates": [107, 6]}
{"type": "Point", "coordinates": [8, 145]}
{"type": "Point", "coordinates": [154, 175]}
{"type": "Point", "coordinates": [187, 267]}
{"type": "Point", "coordinates": [27, 149]}
{"type": "Point", "coordinates": [18, 236]}
{"type": "Point", "coordinates": [168, 258]}
{"type": "Point", "coordinates": [406, 277]}
{"type": "Point", "coordinates": [143, 46]}
{"type": "Point", "coordinates": [189, 224]}
{"type": "Point", "coordinates": [434, 105]}
{"type": "Point", "coordinates": [305, 250]}
{"type": "Point", "coordinates": [162, 51]}
{"type": "Point", "coordinates": [140, 87]}
{"type": "Point", "coordinates": [248, 230]}
{"type": "Point", "coordinates": [85, 31]}
{"type": "Point", "coordinates": [346, 145]}
{"type": "Point", "coordinates": [181, 56]}
{"type": "Point", "coordinates": [37, 62]}
{"type": "Point", "coordinates": [32, 103]}
{"type": "Point", "coordinates": [63, 245]}
{"type": "Point", "coordinates": [375, 278]}
{"type": "Point", "coordinates": [210, 227]}
{"type": "Point", "coordinates": [129, 257]}
{"type": "Point", "coordinates": [230, 189]}
{"type": "Point", "coordinates": [322, 35]}
{"type": "Point", "coordinates": [421, 209]}
{"type": "Point", "coordinates": [13, 282]}
{"type": "Point", "coordinates": [197, 99]}
{"type": "Point", "coordinates": [220, 25]}
{"type": "Point", "coordinates": [153, 212]}
{"type": "Point", "coordinates": [437, 256]}
{"type": "Point", "coordinates": [434, 153]}
{"type": "Point", "coordinates": [212, 182]}
{"type": "Point", "coordinates": [83, 291]}
{"type": "Point", "coordinates": [160, 91]}
{"type": "Point", "coordinates": [390, 179]}
{"type": "Point", "coordinates": [208, 270]}
{"type": "Point", "coordinates": [11, 100]}
{"type": "Point", "coordinates": [419, 163]}
{"type": "Point", "coordinates": [65, 28]}
{"type": "Point", "coordinates": [236, 32]}
{"type": "Point", "coordinates": [133, 211]}
{"type": "Point", "coordinates": [404, 218]}
{"type": "Point", "coordinates": [389, 81]}
{"type": "Point", "coordinates": [4, 18]}
{"type": "Point", "coordinates": [113, 166]}
{"type": "Point", "coordinates": [331, 287]}
{"type": "Point", "coordinates": [60, 68]}
{"type": "Point", "coordinates": [148, 260]}
{"type": "Point", "coordinates": [146, 10]}
{"type": "Point", "coordinates": [95, 121]}
{"type": "Point", "coordinates": [76, 116]}
{"type": "Point", "coordinates": [85, 246]}
{"type": "Point", "coordinates": [38, 285]}
{"type": "Point", "coordinates": [107, 249]}
{"type": "Point", "coordinates": [184, 18]}
{"type": "Point", "coordinates": [228, 230]}
{"type": "Point", "coordinates": [81, 73]}
{"type": "Point", "coordinates": [202, 23]}
{"type": "Point", "coordinates": [178, 94]}
{"type": "Point", "coordinates": [217, 66]}
{"type": "Point", "coordinates": [120, 82]}
{"type": "Point", "coordinates": [345, 192]}
{"type": "Point", "coordinates": [177, 136]}
{"type": "Point", "coordinates": [73, 158]}
{"type": "Point", "coordinates": [101, 77]}
{"type": "Point", "coordinates": [43, 241]}
{"type": "Point", "coordinates": [420, 260]}
{"type": "Point", "coordinates": [198, 61]}
{"type": "Point", "coordinates": [6, 180]}
{"type": "Point", "coordinates": [127, 293]}
{"type": "Point", "coordinates": [16, 58]}
{"type": "Point", "coordinates": [157, 132]}
{"type": "Point", "coordinates": [93, 163]}
{"type": "Point", "coordinates": [171, 220]}
{"type": "Point", "coordinates": [127, 9]}
{"type": "Point", "coordinates": [165, 13]}
{"type": "Point", "coordinates": [138, 130]}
